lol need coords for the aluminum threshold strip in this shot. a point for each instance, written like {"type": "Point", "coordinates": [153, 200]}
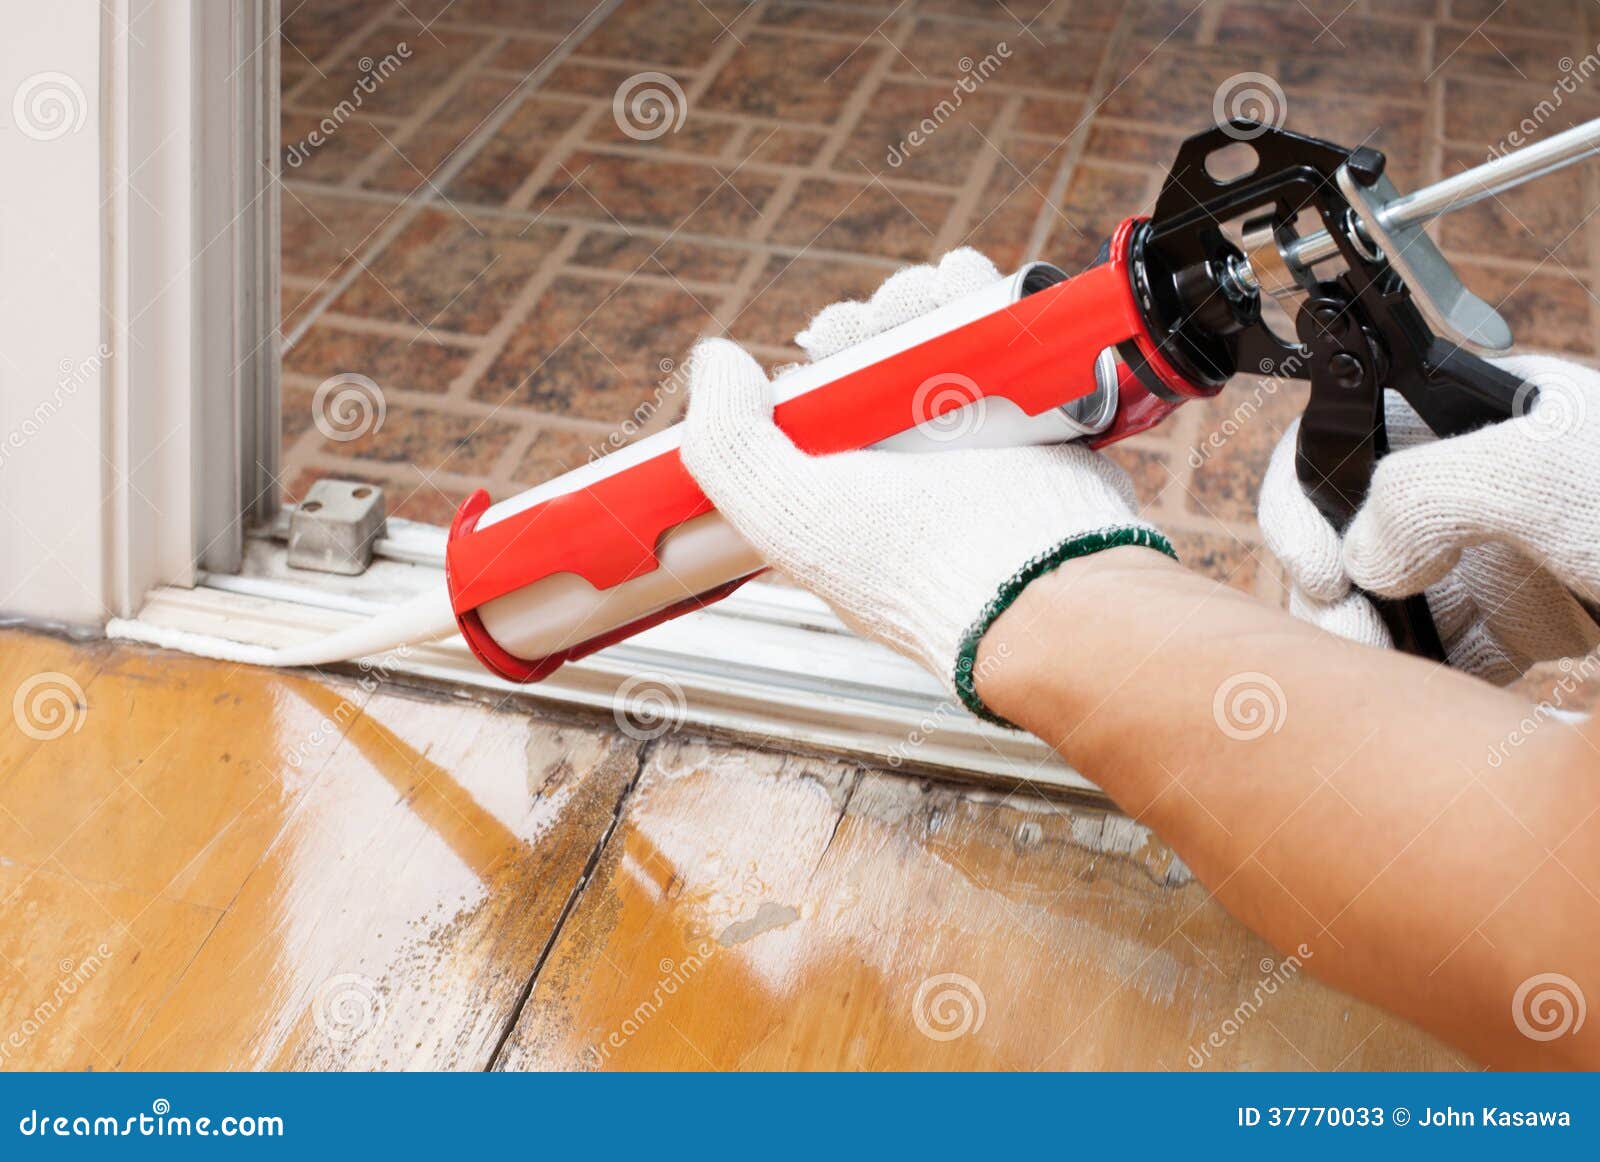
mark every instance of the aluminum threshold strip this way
{"type": "Point", "coordinates": [411, 543]}
{"type": "Point", "coordinates": [769, 681]}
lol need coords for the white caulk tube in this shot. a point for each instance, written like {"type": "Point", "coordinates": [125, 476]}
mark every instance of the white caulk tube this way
{"type": "Point", "coordinates": [563, 610]}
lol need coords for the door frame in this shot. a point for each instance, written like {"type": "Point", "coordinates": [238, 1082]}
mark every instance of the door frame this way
{"type": "Point", "coordinates": [140, 420]}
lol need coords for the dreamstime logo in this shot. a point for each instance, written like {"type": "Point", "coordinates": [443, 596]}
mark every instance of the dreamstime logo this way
{"type": "Point", "coordinates": [1548, 1005]}
{"type": "Point", "coordinates": [1574, 75]}
{"type": "Point", "coordinates": [74, 376]}
{"type": "Point", "coordinates": [948, 1006]}
{"type": "Point", "coordinates": [348, 1007]}
{"type": "Point", "coordinates": [1554, 406]}
{"type": "Point", "coordinates": [931, 724]}
{"type": "Point", "coordinates": [948, 406]}
{"type": "Point", "coordinates": [48, 106]}
{"type": "Point", "coordinates": [374, 671]}
{"type": "Point", "coordinates": [1274, 974]}
{"type": "Point", "coordinates": [373, 74]}
{"type": "Point", "coordinates": [1249, 705]}
{"type": "Point", "coordinates": [75, 974]}
{"type": "Point", "coordinates": [49, 705]}
{"type": "Point", "coordinates": [1250, 97]}
{"type": "Point", "coordinates": [973, 74]}
{"type": "Point", "coordinates": [649, 105]}
{"type": "Point", "coordinates": [160, 1122]}
{"type": "Point", "coordinates": [348, 406]}
{"type": "Point", "coordinates": [1574, 674]}
{"type": "Point", "coordinates": [1245, 411]}
{"type": "Point", "coordinates": [646, 706]}
{"type": "Point", "coordinates": [674, 382]}
{"type": "Point", "coordinates": [675, 975]}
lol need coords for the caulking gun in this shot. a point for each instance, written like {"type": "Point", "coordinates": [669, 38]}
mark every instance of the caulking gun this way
{"type": "Point", "coordinates": [1170, 311]}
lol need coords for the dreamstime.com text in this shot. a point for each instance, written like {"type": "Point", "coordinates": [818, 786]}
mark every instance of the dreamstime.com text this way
{"type": "Point", "coordinates": [159, 1122]}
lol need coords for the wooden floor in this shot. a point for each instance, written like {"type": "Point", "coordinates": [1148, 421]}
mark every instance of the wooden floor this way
{"type": "Point", "coordinates": [203, 866]}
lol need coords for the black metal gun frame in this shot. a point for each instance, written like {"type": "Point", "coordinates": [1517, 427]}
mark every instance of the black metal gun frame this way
{"type": "Point", "coordinates": [1358, 327]}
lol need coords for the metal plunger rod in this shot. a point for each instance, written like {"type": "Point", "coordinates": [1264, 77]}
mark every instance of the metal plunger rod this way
{"type": "Point", "coordinates": [1465, 189]}
{"type": "Point", "coordinates": [1493, 177]}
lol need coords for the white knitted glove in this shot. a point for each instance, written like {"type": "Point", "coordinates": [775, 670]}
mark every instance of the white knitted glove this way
{"type": "Point", "coordinates": [921, 551]}
{"type": "Point", "coordinates": [904, 295]}
{"type": "Point", "coordinates": [1499, 527]}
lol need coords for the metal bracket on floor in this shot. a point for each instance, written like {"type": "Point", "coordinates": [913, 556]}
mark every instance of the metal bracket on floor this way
{"type": "Point", "coordinates": [334, 529]}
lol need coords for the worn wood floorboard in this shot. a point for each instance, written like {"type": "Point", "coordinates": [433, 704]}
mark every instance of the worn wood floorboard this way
{"type": "Point", "coordinates": [757, 911]}
{"type": "Point", "coordinates": [399, 915]}
{"type": "Point", "coordinates": [206, 866]}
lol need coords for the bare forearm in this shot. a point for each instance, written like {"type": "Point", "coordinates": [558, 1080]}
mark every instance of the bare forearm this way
{"type": "Point", "coordinates": [1394, 816]}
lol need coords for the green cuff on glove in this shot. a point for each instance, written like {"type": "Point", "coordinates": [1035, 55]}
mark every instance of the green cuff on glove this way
{"type": "Point", "coordinates": [1077, 546]}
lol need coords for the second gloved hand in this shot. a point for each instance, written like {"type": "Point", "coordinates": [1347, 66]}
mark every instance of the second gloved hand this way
{"type": "Point", "coordinates": [920, 551]}
{"type": "Point", "coordinates": [1499, 527]}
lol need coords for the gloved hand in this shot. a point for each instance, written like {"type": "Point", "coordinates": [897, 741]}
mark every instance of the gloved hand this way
{"type": "Point", "coordinates": [921, 551]}
{"type": "Point", "coordinates": [1500, 527]}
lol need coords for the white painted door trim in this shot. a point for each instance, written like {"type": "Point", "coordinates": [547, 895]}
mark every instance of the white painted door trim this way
{"type": "Point", "coordinates": [53, 359]}
{"type": "Point", "coordinates": [135, 308]}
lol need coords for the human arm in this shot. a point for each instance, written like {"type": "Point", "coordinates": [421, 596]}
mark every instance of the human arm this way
{"type": "Point", "coordinates": [1397, 818]}
{"type": "Point", "coordinates": [1372, 825]}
